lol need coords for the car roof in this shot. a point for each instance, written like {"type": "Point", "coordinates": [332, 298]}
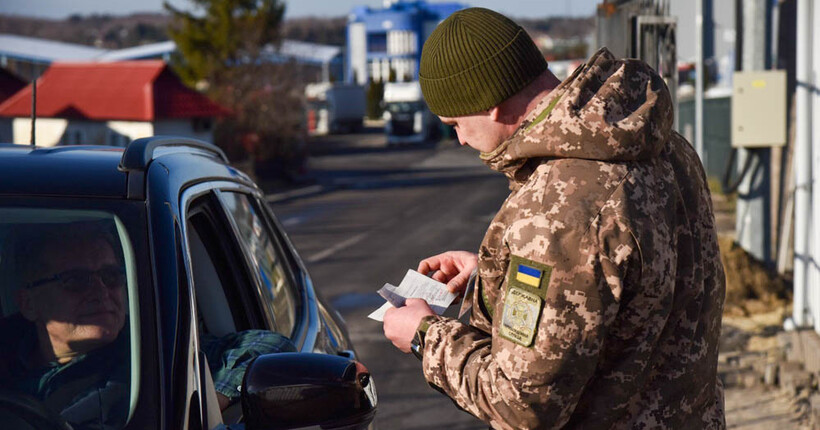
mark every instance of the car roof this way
{"type": "Point", "coordinates": [61, 170]}
{"type": "Point", "coordinates": [110, 172]}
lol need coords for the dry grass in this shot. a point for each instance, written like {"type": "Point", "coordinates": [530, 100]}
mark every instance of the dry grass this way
{"type": "Point", "coordinates": [752, 288]}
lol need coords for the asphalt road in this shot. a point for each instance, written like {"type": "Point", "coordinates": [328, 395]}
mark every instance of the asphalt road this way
{"type": "Point", "coordinates": [379, 212]}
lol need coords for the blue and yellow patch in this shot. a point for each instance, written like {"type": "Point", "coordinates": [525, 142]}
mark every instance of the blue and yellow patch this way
{"type": "Point", "coordinates": [527, 283]}
{"type": "Point", "coordinates": [529, 275]}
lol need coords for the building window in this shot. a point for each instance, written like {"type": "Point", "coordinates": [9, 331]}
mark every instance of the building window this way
{"type": "Point", "coordinates": [377, 42]}
{"type": "Point", "coordinates": [401, 42]}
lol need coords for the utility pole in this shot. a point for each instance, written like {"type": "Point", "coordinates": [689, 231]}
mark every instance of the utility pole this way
{"type": "Point", "coordinates": [699, 84]}
{"type": "Point", "coordinates": [802, 165]}
{"type": "Point", "coordinates": [814, 287]}
{"type": "Point", "coordinates": [33, 106]}
{"type": "Point", "coordinates": [753, 216]}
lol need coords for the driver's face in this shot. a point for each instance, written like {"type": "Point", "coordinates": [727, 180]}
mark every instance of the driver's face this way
{"type": "Point", "coordinates": [84, 306]}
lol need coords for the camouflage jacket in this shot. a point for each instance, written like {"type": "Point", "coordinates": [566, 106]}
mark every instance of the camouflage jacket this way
{"type": "Point", "coordinates": [601, 287]}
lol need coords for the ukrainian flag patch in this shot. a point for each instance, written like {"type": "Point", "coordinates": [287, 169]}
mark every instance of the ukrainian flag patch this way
{"type": "Point", "coordinates": [529, 275]}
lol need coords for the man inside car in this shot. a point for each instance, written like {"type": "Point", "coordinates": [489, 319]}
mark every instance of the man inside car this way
{"type": "Point", "coordinates": [67, 347]}
{"type": "Point", "coordinates": [72, 352]}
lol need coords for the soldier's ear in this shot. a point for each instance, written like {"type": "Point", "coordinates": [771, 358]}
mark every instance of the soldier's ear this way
{"type": "Point", "coordinates": [495, 113]}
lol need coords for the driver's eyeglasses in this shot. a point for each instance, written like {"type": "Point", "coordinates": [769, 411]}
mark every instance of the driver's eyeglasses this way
{"type": "Point", "coordinates": [79, 281]}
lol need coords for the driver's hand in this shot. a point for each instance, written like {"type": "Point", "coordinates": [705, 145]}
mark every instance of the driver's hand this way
{"type": "Point", "coordinates": [452, 268]}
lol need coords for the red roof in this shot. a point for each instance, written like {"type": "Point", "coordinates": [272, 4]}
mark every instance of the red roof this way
{"type": "Point", "coordinates": [9, 84]}
{"type": "Point", "coordinates": [126, 90]}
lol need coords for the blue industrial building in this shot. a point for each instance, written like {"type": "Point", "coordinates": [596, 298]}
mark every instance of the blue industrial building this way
{"type": "Point", "coordinates": [379, 40]}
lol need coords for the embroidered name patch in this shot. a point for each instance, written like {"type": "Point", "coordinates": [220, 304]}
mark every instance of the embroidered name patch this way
{"type": "Point", "coordinates": [520, 318]}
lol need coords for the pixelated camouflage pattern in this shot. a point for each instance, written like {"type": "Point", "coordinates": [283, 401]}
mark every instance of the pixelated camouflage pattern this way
{"type": "Point", "coordinates": [604, 192]}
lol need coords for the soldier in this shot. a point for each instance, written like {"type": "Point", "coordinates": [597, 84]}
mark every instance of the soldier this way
{"type": "Point", "coordinates": [600, 288]}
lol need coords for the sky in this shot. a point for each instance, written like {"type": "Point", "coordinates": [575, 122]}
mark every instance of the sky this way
{"type": "Point", "coordinates": [58, 9]}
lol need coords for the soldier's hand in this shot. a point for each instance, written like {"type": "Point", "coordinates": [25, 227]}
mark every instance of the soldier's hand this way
{"type": "Point", "coordinates": [400, 323]}
{"type": "Point", "coordinates": [452, 268]}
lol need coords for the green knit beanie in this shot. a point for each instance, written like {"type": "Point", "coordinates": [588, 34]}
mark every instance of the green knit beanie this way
{"type": "Point", "coordinates": [474, 60]}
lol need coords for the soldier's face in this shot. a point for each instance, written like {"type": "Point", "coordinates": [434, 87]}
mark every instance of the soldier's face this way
{"type": "Point", "coordinates": [481, 131]}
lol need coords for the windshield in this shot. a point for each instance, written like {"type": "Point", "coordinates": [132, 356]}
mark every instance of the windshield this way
{"type": "Point", "coordinates": [67, 295]}
{"type": "Point", "coordinates": [404, 107]}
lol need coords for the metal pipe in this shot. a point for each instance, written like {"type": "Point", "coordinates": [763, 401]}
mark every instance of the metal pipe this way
{"type": "Point", "coordinates": [699, 79]}
{"type": "Point", "coordinates": [34, 111]}
{"type": "Point", "coordinates": [773, 48]}
{"type": "Point", "coordinates": [802, 163]}
{"type": "Point", "coordinates": [813, 288]}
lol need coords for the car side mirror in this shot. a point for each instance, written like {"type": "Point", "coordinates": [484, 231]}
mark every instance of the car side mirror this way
{"type": "Point", "coordinates": [295, 390]}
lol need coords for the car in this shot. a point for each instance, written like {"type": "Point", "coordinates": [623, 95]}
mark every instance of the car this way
{"type": "Point", "coordinates": [202, 255]}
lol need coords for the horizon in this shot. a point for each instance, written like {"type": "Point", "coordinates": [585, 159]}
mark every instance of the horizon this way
{"type": "Point", "coordinates": [61, 10]}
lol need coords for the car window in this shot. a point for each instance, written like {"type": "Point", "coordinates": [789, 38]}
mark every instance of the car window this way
{"type": "Point", "coordinates": [232, 328]}
{"type": "Point", "coordinates": [69, 306]}
{"type": "Point", "coordinates": [281, 296]}
{"type": "Point", "coordinates": [225, 293]}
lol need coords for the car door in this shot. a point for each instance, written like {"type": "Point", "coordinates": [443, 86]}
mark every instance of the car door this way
{"type": "Point", "coordinates": [245, 275]}
{"type": "Point", "coordinates": [241, 276]}
{"type": "Point", "coordinates": [223, 301]}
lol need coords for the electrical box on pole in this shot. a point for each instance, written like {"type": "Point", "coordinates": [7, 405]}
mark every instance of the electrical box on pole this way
{"type": "Point", "coordinates": [759, 109]}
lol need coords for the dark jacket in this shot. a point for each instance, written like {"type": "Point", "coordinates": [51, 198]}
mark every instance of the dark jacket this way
{"type": "Point", "coordinates": [90, 392]}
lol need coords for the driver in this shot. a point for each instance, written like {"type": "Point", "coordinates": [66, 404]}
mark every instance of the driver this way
{"type": "Point", "coordinates": [69, 349]}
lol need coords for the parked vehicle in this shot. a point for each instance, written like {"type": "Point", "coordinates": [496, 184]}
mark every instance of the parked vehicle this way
{"type": "Point", "coordinates": [334, 108]}
{"type": "Point", "coordinates": [201, 255]}
{"type": "Point", "coordinates": [407, 119]}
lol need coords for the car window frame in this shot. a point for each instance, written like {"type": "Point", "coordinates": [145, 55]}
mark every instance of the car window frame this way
{"type": "Point", "coordinates": [292, 270]}
{"type": "Point", "coordinates": [246, 311]}
{"type": "Point", "coordinates": [310, 333]}
{"type": "Point", "coordinates": [242, 268]}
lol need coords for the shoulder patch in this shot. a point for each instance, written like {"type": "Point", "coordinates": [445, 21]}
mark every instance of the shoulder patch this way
{"type": "Point", "coordinates": [529, 275]}
{"type": "Point", "coordinates": [522, 310]}
{"type": "Point", "coordinates": [527, 283]}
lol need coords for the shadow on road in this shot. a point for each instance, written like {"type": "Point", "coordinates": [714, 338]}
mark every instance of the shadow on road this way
{"type": "Point", "coordinates": [349, 301]}
{"type": "Point", "coordinates": [329, 148]}
{"type": "Point", "coordinates": [371, 140]}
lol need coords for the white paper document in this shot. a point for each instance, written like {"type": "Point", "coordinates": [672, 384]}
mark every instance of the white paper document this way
{"type": "Point", "coordinates": [414, 286]}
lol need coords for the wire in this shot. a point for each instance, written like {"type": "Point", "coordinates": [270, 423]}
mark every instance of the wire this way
{"type": "Point", "coordinates": [731, 187]}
